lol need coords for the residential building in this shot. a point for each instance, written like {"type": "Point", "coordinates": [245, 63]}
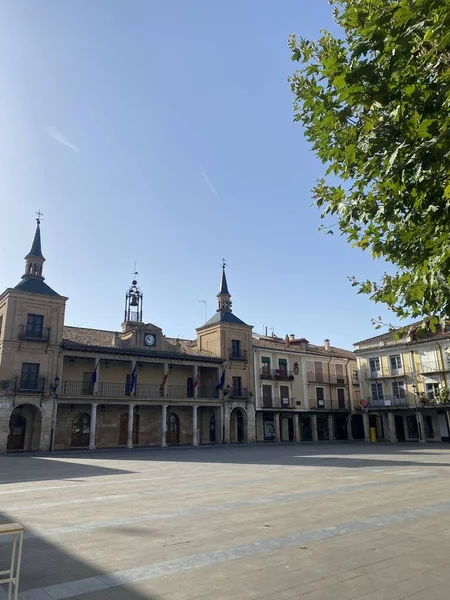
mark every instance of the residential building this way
{"type": "Point", "coordinates": [73, 387]}
{"type": "Point", "coordinates": [404, 379]}
{"type": "Point", "coordinates": [303, 391]}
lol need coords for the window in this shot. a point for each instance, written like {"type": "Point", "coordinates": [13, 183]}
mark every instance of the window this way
{"type": "Point", "coordinates": [282, 366]}
{"type": "Point", "coordinates": [377, 391]}
{"type": "Point", "coordinates": [29, 376]}
{"type": "Point", "coordinates": [355, 376]}
{"type": "Point", "coordinates": [265, 365]}
{"type": "Point", "coordinates": [318, 369]}
{"type": "Point", "coordinates": [341, 397]}
{"type": "Point", "coordinates": [375, 365]}
{"type": "Point", "coordinates": [237, 386]}
{"type": "Point", "coordinates": [320, 397]}
{"type": "Point", "coordinates": [35, 324]}
{"type": "Point", "coordinates": [396, 363]}
{"type": "Point", "coordinates": [431, 390]}
{"type": "Point", "coordinates": [340, 379]}
{"type": "Point", "coordinates": [284, 396]}
{"type": "Point", "coordinates": [267, 396]}
{"type": "Point", "coordinates": [236, 348]}
{"type": "Point", "coordinates": [398, 389]}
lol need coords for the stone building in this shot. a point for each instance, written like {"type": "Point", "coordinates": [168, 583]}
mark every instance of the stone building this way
{"type": "Point", "coordinates": [72, 387]}
{"type": "Point", "coordinates": [304, 392]}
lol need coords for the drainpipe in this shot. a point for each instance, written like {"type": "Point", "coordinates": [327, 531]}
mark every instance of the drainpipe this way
{"type": "Point", "coordinates": [414, 385]}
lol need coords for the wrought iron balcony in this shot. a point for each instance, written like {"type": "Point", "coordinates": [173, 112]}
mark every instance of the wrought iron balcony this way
{"type": "Point", "coordinates": [237, 393]}
{"type": "Point", "coordinates": [29, 334]}
{"type": "Point", "coordinates": [387, 401]}
{"type": "Point", "coordinates": [278, 402]}
{"type": "Point", "coordinates": [313, 377]}
{"type": "Point", "coordinates": [277, 374]}
{"type": "Point", "coordinates": [142, 390]}
{"type": "Point", "coordinates": [30, 387]}
{"type": "Point", "coordinates": [433, 367]}
{"type": "Point", "coordinates": [237, 355]}
{"type": "Point", "coordinates": [386, 372]}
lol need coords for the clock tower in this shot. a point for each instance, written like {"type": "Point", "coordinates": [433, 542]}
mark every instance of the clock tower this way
{"type": "Point", "coordinates": [224, 296]}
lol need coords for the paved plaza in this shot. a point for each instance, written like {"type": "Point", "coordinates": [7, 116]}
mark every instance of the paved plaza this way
{"type": "Point", "coordinates": [311, 521]}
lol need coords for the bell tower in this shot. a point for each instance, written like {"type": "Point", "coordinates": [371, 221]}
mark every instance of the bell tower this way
{"type": "Point", "coordinates": [224, 296]}
{"type": "Point", "coordinates": [133, 305]}
{"type": "Point", "coordinates": [34, 260]}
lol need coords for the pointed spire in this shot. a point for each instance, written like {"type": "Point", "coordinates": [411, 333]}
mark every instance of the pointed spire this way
{"type": "Point", "coordinates": [224, 295]}
{"type": "Point", "coordinates": [34, 260]}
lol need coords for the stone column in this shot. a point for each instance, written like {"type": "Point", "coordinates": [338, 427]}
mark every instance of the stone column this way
{"type": "Point", "coordinates": [163, 425]}
{"type": "Point", "coordinates": [130, 425]}
{"type": "Point", "coordinates": [392, 431]}
{"type": "Point", "coordinates": [296, 429]}
{"type": "Point", "coordinates": [93, 426]}
{"type": "Point", "coordinates": [194, 426]}
{"type": "Point", "coordinates": [226, 424]}
{"type": "Point", "coordinates": [251, 423]}
{"type": "Point", "coordinates": [331, 435]}
{"type": "Point", "coordinates": [315, 435]}
{"type": "Point", "coordinates": [366, 428]}
{"type": "Point", "coordinates": [276, 417]}
{"type": "Point", "coordinates": [421, 427]}
{"type": "Point", "coordinates": [219, 424]}
{"type": "Point", "coordinates": [349, 427]}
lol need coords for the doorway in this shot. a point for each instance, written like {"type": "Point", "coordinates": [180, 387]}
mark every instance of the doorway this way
{"type": "Point", "coordinates": [399, 428]}
{"type": "Point", "coordinates": [24, 428]}
{"type": "Point", "coordinates": [340, 427]}
{"type": "Point", "coordinates": [173, 429]}
{"type": "Point", "coordinates": [81, 426]}
{"type": "Point", "coordinates": [212, 429]}
{"type": "Point", "coordinates": [237, 426]}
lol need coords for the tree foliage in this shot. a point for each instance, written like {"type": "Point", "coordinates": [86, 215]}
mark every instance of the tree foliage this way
{"type": "Point", "coordinates": [375, 105]}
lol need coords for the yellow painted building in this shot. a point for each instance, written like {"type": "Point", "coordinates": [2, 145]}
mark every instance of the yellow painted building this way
{"type": "Point", "coordinates": [404, 378]}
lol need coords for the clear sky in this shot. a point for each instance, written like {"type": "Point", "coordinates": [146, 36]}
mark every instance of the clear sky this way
{"type": "Point", "coordinates": [161, 131]}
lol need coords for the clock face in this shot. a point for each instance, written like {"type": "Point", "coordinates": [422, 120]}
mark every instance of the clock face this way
{"type": "Point", "coordinates": [149, 339]}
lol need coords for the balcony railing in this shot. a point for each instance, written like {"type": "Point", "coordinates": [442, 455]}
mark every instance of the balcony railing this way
{"type": "Point", "coordinates": [387, 401]}
{"type": "Point", "coordinates": [386, 372]}
{"type": "Point", "coordinates": [432, 367]}
{"type": "Point", "coordinates": [27, 333]}
{"type": "Point", "coordinates": [325, 378]}
{"type": "Point", "coordinates": [36, 387]}
{"type": "Point", "coordinates": [239, 393]}
{"type": "Point", "coordinates": [278, 402]}
{"type": "Point", "coordinates": [142, 390]}
{"type": "Point", "coordinates": [237, 355]}
{"type": "Point", "coordinates": [277, 374]}
{"type": "Point", "coordinates": [328, 404]}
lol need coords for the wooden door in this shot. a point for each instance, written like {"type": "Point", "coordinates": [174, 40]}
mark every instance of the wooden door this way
{"type": "Point", "coordinates": [240, 426]}
{"type": "Point", "coordinates": [81, 426]}
{"type": "Point", "coordinates": [212, 429]}
{"type": "Point", "coordinates": [16, 437]}
{"type": "Point", "coordinates": [173, 429]}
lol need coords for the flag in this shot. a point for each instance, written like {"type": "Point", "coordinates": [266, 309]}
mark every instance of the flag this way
{"type": "Point", "coordinates": [133, 379]}
{"type": "Point", "coordinates": [164, 381]}
{"type": "Point", "coordinates": [94, 374]}
{"type": "Point", "coordinates": [221, 383]}
{"type": "Point", "coordinates": [197, 380]}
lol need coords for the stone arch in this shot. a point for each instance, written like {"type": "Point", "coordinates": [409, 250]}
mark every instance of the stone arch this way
{"type": "Point", "coordinates": [173, 428]}
{"type": "Point", "coordinates": [238, 426]}
{"type": "Point", "coordinates": [25, 424]}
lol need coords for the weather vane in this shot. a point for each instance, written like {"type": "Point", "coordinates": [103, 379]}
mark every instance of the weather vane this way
{"type": "Point", "coordinates": [224, 263]}
{"type": "Point", "coordinates": [39, 215]}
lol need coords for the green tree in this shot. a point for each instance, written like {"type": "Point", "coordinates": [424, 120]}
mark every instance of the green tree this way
{"type": "Point", "coordinates": [375, 105]}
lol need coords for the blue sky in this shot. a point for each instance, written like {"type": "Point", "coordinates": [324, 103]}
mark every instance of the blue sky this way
{"type": "Point", "coordinates": [161, 131]}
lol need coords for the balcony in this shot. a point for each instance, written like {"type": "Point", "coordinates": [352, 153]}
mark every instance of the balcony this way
{"type": "Point", "coordinates": [432, 367]}
{"type": "Point", "coordinates": [29, 334]}
{"type": "Point", "coordinates": [313, 377]}
{"type": "Point", "coordinates": [36, 387]}
{"type": "Point", "coordinates": [143, 390]}
{"type": "Point", "coordinates": [239, 394]}
{"type": "Point", "coordinates": [276, 374]}
{"type": "Point", "coordinates": [387, 401]}
{"type": "Point", "coordinates": [386, 372]}
{"type": "Point", "coordinates": [278, 402]}
{"type": "Point", "coordinates": [237, 355]}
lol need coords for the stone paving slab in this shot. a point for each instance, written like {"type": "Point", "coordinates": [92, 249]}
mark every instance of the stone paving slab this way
{"type": "Point", "coordinates": [313, 521]}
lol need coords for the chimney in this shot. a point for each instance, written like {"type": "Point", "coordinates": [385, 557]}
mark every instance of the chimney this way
{"type": "Point", "coordinates": [326, 345]}
{"type": "Point", "coordinates": [292, 337]}
{"type": "Point", "coordinates": [286, 341]}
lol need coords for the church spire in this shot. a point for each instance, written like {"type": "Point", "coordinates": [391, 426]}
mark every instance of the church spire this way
{"type": "Point", "coordinates": [224, 296]}
{"type": "Point", "coordinates": [34, 260]}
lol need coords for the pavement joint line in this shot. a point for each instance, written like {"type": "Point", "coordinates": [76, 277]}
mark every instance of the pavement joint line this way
{"type": "Point", "coordinates": [105, 581]}
{"type": "Point", "coordinates": [44, 533]}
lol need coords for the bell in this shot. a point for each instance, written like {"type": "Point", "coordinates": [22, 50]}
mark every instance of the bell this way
{"type": "Point", "coordinates": [134, 301]}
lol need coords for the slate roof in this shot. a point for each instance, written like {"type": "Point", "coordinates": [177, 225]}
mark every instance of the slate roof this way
{"type": "Point", "coordinates": [35, 285]}
{"type": "Point", "coordinates": [102, 340]}
{"type": "Point", "coordinates": [36, 245]}
{"type": "Point", "coordinates": [280, 345]}
{"type": "Point", "coordinates": [223, 283]}
{"type": "Point", "coordinates": [223, 316]}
